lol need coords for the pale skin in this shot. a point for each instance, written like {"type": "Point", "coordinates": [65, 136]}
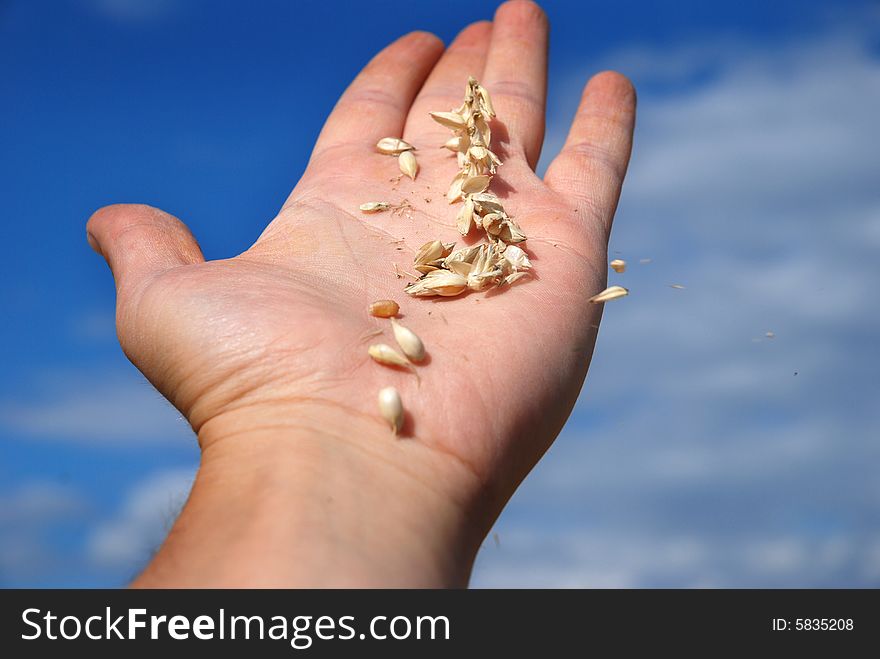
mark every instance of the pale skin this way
{"type": "Point", "coordinates": [302, 483]}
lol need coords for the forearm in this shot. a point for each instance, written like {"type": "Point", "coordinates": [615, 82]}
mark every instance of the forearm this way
{"type": "Point", "coordinates": [330, 502]}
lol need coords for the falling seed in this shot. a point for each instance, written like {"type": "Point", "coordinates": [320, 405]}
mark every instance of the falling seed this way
{"type": "Point", "coordinates": [610, 293]}
{"type": "Point", "coordinates": [392, 146]}
{"type": "Point", "coordinates": [408, 164]}
{"type": "Point", "coordinates": [391, 408]}
{"type": "Point", "coordinates": [677, 287]}
{"type": "Point", "coordinates": [384, 308]}
{"type": "Point", "coordinates": [385, 354]}
{"type": "Point", "coordinates": [770, 335]}
{"type": "Point", "coordinates": [618, 265]}
{"type": "Point", "coordinates": [408, 341]}
{"type": "Point", "coordinates": [375, 206]}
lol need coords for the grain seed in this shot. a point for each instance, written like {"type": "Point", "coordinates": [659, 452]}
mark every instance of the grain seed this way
{"type": "Point", "coordinates": [392, 146]}
{"type": "Point", "coordinates": [409, 342]}
{"type": "Point", "coordinates": [375, 206]}
{"type": "Point", "coordinates": [391, 408]}
{"type": "Point", "coordinates": [385, 308]}
{"type": "Point", "coordinates": [408, 165]}
{"type": "Point", "coordinates": [385, 354]}
{"type": "Point", "coordinates": [610, 293]}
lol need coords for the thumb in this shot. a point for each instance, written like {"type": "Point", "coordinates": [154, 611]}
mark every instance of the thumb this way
{"type": "Point", "coordinates": [140, 242]}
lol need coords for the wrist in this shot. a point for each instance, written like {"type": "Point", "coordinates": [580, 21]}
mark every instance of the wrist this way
{"type": "Point", "coordinates": [320, 497]}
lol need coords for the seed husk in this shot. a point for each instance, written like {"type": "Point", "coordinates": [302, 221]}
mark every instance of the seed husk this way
{"type": "Point", "coordinates": [510, 232]}
{"type": "Point", "coordinates": [454, 192]}
{"type": "Point", "coordinates": [459, 143]}
{"type": "Point", "coordinates": [478, 153]}
{"type": "Point", "coordinates": [409, 342]}
{"type": "Point", "coordinates": [487, 202]}
{"type": "Point", "coordinates": [391, 146]}
{"type": "Point", "coordinates": [451, 120]}
{"type": "Point", "coordinates": [462, 268]}
{"type": "Point", "coordinates": [474, 184]}
{"type": "Point", "coordinates": [463, 255]}
{"type": "Point", "coordinates": [385, 354]}
{"type": "Point", "coordinates": [482, 129]}
{"type": "Point", "coordinates": [610, 293]}
{"type": "Point", "coordinates": [478, 281]}
{"type": "Point", "coordinates": [375, 206]}
{"type": "Point", "coordinates": [408, 164]}
{"type": "Point", "coordinates": [492, 222]}
{"type": "Point", "coordinates": [465, 219]}
{"type": "Point", "coordinates": [618, 265]}
{"type": "Point", "coordinates": [438, 282]}
{"type": "Point", "coordinates": [432, 251]}
{"type": "Point", "coordinates": [428, 252]}
{"type": "Point", "coordinates": [484, 265]}
{"type": "Point", "coordinates": [486, 101]}
{"type": "Point", "coordinates": [517, 258]}
{"type": "Point", "coordinates": [384, 308]}
{"type": "Point", "coordinates": [391, 408]}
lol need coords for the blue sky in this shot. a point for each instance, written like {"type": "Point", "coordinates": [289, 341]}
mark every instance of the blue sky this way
{"type": "Point", "coordinates": [702, 451]}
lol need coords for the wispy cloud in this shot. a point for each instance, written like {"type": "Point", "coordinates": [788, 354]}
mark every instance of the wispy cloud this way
{"type": "Point", "coordinates": [129, 539]}
{"type": "Point", "coordinates": [95, 407]}
{"type": "Point", "coordinates": [28, 515]}
{"type": "Point", "coordinates": [585, 559]}
{"type": "Point", "coordinates": [94, 326]}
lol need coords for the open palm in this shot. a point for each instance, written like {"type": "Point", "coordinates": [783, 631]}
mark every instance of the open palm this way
{"type": "Point", "coordinates": [281, 332]}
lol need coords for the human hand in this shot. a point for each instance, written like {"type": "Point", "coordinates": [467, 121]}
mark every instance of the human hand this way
{"type": "Point", "coordinates": [302, 482]}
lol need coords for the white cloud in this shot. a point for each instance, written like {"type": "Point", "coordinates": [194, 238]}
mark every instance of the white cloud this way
{"type": "Point", "coordinates": [579, 559]}
{"type": "Point", "coordinates": [26, 515]}
{"type": "Point", "coordinates": [702, 452]}
{"type": "Point", "coordinates": [35, 502]}
{"type": "Point", "coordinates": [96, 325]}
{"type": "Point", "coordinates": [142, 522]}
{"type": "Point", "coordinates": [94, 407]}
